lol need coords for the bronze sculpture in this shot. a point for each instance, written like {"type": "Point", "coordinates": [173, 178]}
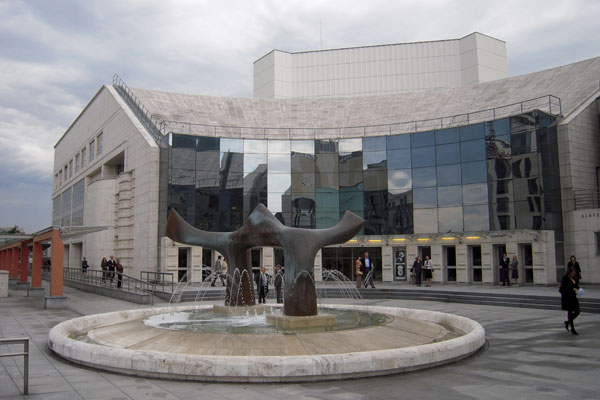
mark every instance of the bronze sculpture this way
{"type": "Point", "coordinates": [300, 247]}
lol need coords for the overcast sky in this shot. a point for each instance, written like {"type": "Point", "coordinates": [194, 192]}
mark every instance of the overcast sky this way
{"type": "Point", "coordinates": [55, 55]}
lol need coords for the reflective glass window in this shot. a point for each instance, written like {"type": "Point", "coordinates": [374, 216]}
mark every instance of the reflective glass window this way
{"type": "Point", "coordinates": [303, 146]}
{"type": "Point", "coordinates": [400, 179]}
{"type": "Point", "coordinates": [208, 160]}
{"type": "Point", "coordinates": [351, 162]}
{"type": "Point", "coordinates": [351, 200]}
{"type": "Point", "coordinates": [425, 198]}
{"type": "Point", "coordinates": [499, 127]}
{"type": "Point", "coordinates": [303, 163]}
{"type": "Point", "coordinates": [374, 143]}
{"type": "Point", "coordinates": [449, 175]}
{"type": "Point", "coordinates": [521, 142]}
{"type": "Point", "coordinates": [207, 143]}
{"type": "Point", "coordinates": [280, 163]}
{"type": "Point", "coordinates": [327, 180]}
{"type": "Point", "coordinates": [232, 180]}
{"type": "Point", "coordinates": [326, 162]}
{"type": "Point", "coordinates": [327, 201]}
{"type": "Point", "coordinates": [279, 147]}
{"type": "Point", "coordinates": [423, 177]}
{"type": "Point", "coordinates": [374, 159]}
{"type": "Point", "coordinates": [472, 132]}
{"type": "Point", "coordinates": [449, 196]}
{"type": "Point", "coordinates": [326, 146]}
{"type": "Point", "coordinates": [303, 212]}
{"type": "Point", "coordinates": [275, 202]}
{"type": "Point", "coordinates": [423, 157]}
{"type": "Point", "coordinates": [279, 182]}
{"type": "Point", "coordinates": [303, 183]}
{"type": "Point", "coordinates": [476, 218]}
{"type": "Point", "coordinates": [472, 150]}
{"type": "Point", "coordinates": [351, 179]}
{"type": "Point", "coordinates": [474, 172]}
{"type": "Point", "coordinates": [400, 212]}
{"type": "Point", "coordinates": [498, 147]}
{"type": "Point", "coordinates": [207, 179]}
{"type": "Point", "coordinates": [231, 162]}
{"type": "Point", "coordinates": [231, 145]}
{"type": "Point", "coordinates": [450, 135]}
{"type": "Point", "coordinates": [375, 212]}
{"type": "Point", "coordinates": [327, 219]}
{"type": "Point", "coordinates": [184, 141]}
{"type": "Point", "coordinates": [450, 219]}
{"type": "Point", "coordinates": [499, 169]}
{"type": "Point", "coordinates": [348, 146]}
{"type": "Point", "coordinates": [375, 179]}
{"type": "Point", "coordinates": [255, 146]}
{"type": "Point", "coordinates": [422, 139]}
{"type": "Point", "coordinates": [475, 194]}
{"type": "Point", "coordinates": [425, 220]}
{"type": "Point", "coordinates": [182, 176]}
{"type": "Point", "coordinates": [183, 158]}
{"type": "Point", "coordinates": [448, 154]}
{"type": "Point", "coordinates": [254, 162]}
{"type": "Point", "coordinates": [398, 159]}
{"type": "Point", "coordinates": [398, 142]}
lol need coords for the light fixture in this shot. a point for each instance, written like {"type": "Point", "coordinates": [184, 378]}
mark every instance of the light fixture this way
{"type": "Point", "coordinates": [399, 239]}
{"type": "Point", "coordinates": [375, 240]}
{"type": "Point", "coordinates": [472, 237]}
{"type": "Point", "coordinates": [352, 241]}
{"type": "Point", "coordinates": [422, 239]}
{"type": "Point", "coordinates": [448, 238]}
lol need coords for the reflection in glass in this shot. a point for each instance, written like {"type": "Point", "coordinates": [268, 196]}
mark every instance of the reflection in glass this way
{"type": "Point", "coordinates": [400, 212]}
{"type": "Point", "coordinates": [275, 202]}
{"type": "Point", "coordinates": [425, 198]}
{"type": "Point", "coordinates": [303, 212]}
{"type": "Point", "coordinates": [450, 135]}
{"type": "Point", "coordinates": [279, 147]}
{"type": "Point", "coordinates": [182, 176]}
{"type": "Point", "coordinates": [423, 157]}
{"type": "Point", "coordinates": [231, 203]}
{"type": "Point", "coordinates": [207, 179]}
{"type": "Point", "coordinates": [374, 159]}
{"type": "Point", "coordinates": [374, 143]}
{"type": "Point", "coordinates": [183, 158]}
{"type": "Point", "coordinates": [498, 147]}
{"type": "Point", "coordinates": [351, 179]}
{"type": "Point", "coordinates": [254, 162]}
{"type": "Point", "coordinates": [450, 219]}
{"type": "Point", "coordinates": [498, 127]}
{"type": "Point", "coordinates": [449, 196]}
{"type": "Point", "coordinates": [473, 150]}
{"type": "Point", "coordinates": [303, 163]}
{"type": "Point", "coordinates": [326, 162]}
{"type": "Point", "coordinates": [422, 139]}
{"type": "Point", "coordinates": [255, 146]}
{"type": "Point", "coordinates": [448, 154]}
{"type": "Point", "coordinates": [232, 145]}
{"type": "Point", "coordinates": [351, 200]}
{"type": "Point", "coordinates": [375, 179]}
{"type": "Point", "coordinates": [398, 142]}
{"type": "Point", "coordinates": [208, 160]}
{"type": "Point", "coordinates": [423, 177]}
{"type": "Point", "coordinates": [303, 146]}
{"type": "Point", "coordinates": [348, 146]}
{"type": "Point", "coordinates": [426, 220]}
{"type": "Point", "coordinates": [351, 162]}
{"type": "Point", "coordinates": [448, 175]}
{"type": "Point", "coordinates": [498, 169]}
{"type": "Point", "coordinates": [183, 141]}
{"type": "Point", "coordinates": [398, 159]}
{"type": "Point", "coordinates": [375, 209]}
{"type": "Point", "coordinates": [474, 172]}
{"type": "Point", "coordinates": [476, 218]}
{"type": "Point", "coordinates": [207, 144]}
{"type": "Point", "coordinates": [329, 180]}
{"type": "Point", "coordinates": [303, 183]}
{"type": "Point", "coordinates": [471, 132]}
{"type": "Point", "coordinates": [279, 182]}
{"type": "Point", "coordinates": [280, 163]}
{"type": "Point", "coordinates": [399, 179]}
{"type": "Point", "coordinates": [326, 146]}
{"type": "Point", "coordinates": [475, 194]}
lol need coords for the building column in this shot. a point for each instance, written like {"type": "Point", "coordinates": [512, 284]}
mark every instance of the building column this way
{"type": "Point", "coordinates": [36, 265]}
{"type": "Point", "coordinates": [3, 260]}
{"type": "Point", "coordinates": [387, 264]}
{"type": "Point", "coordinates": [14, 265]}
{"type": "Point", "coordinates": [24, 276]}
{"type": "Point", "coordinates": [58, 259]}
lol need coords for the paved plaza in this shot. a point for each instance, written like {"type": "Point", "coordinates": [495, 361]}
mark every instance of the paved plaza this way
{"type": "Point", "coordinates": [529, 355]}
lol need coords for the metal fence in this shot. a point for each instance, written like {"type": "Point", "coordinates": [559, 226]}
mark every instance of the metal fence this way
{"type": "Point", "coordinates": [164, 281]}
{"type": "Point", "coordinates": [109, 279]}
{"type": "Point", "coordinates": [25, 354]}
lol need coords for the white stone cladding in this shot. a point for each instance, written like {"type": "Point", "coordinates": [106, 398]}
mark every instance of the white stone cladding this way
{"type": "Point", "coordinates": [381, 69]}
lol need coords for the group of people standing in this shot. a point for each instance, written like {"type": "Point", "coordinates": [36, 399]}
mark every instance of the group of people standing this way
{"type": "Point", "coordinates": [365, 268]}
{"type": "Point", "coordinates": [504, 270]}
{"type": "Point", "coordinates": [262, 284]}
{"type": "Point", "coordinates": [109, 267]}
{"type": "Point", "coordinates": [422, 270]}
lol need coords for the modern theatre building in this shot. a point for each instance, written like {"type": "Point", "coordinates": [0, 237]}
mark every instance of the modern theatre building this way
{"type": "Point", "coordinates": [462, 174]}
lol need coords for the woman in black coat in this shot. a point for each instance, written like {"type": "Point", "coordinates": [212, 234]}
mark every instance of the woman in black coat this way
{"type": "Point", "coordinates": [568, 298]}
{"type": "Point", "coordinates": [417, 270]}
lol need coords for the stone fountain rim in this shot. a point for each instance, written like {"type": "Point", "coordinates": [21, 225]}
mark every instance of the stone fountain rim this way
{"type": "Point", "coordinates": [264, 368]}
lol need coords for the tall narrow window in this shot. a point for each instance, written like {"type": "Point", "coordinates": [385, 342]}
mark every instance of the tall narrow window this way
{"type": "Point", "coordinates": [99, 143]}
{"type": "Point", "coordinates": [83, 157]}
{"type": "Point", "coordinates": [76, 163]}
{"type": "Point", "coordinates": [92, 150]}
{"type": "Point", "coordinates": [70, 168]}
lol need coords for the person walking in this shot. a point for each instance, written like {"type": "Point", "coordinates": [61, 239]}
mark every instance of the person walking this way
{"type": "Point", "coordinates": [417, 270]}
{"type": "Point", "coordinates": [104, 268]}
{"type": "Point", "coordinates": [216, 272]}
{"type": "Point", "coordinates": [573, 263]}
{"type": "Point", "coordinates": [84, 268]}
{"type": "Point", "coordinates": [504, 270]}
{"type": "Point", "coordinates": [112, 265]}
{"type": "Point", "coordinates": [278, 283]}
{"type": "Point", "coordinates": [514, 266]}
{"type": "Point", "coordinates": [428, 271]}
{"type": "Point", "coordinates": [120, 269]}
{"type": "Point", "coordinates": [358, 270]}
{"type": "Point", "coordinates": [262, 285]}
{"type": "Point", "coordinates": [568, 297]}
{"type": "Point", "coordinates": [369, 270]}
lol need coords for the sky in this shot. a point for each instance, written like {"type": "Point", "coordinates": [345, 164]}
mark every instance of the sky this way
{"type": "Point", "coordinates": [56, 54]}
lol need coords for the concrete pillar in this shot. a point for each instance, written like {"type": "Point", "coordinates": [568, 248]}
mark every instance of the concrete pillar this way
{"type": "Point", "coordinates": [268, 258]}
{"type": "Point", "coordinates": [14, 264]}
{"type": "Point", "coordinates": [387, 264]}
{"type": "Point", "coordinates": [437, 262]}
{"type": "Point", "coordinates": [24, 276]}
{"type": "Point", "coordinates": [318, 271]}
{"type": "Point", "coordinates": [463, 274]}
{"type": "Point", "coordinates": [487, 264]}
{"type": "Point", "coordinates": [56, 274]}
{"type": "Point", "coordinates": [36, 265]}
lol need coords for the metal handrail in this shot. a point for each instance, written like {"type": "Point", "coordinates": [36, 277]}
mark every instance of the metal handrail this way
{"type": "Point", "coordinates": [549, 103]}
{"type": "Point", "coordinates": [109, 279]}
{"type": "Point", "coordinates": [25, 354]}
{"type": "Point", "coordinates": [164, 279]}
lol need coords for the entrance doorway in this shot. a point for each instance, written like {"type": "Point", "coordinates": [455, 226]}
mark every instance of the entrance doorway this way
{"type": "Point", "coordinates": [342, 259]}
{"type": "Point", "coordinates": [475, 263]}
{"type": "Point", "coordinates": [498, 251]}
{"type": "Point", "coordinates": [183, 262]}
{"type": "Point", "coordinates": [449, 262]}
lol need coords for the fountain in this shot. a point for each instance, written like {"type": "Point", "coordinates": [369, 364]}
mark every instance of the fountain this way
{"type": "Point", "coordinates": [266, 343]}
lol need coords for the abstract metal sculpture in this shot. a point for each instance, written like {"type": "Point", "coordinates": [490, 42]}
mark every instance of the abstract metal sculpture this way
{"type": "Point", "coordinates": [300, 247]}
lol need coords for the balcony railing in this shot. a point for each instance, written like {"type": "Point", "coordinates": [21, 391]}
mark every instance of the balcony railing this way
{"type": "Point", "coordinates": [586, 198]}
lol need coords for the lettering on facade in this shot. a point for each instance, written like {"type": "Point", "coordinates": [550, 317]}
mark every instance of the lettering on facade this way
{"type": "Point", "coordinates": [590, 215]}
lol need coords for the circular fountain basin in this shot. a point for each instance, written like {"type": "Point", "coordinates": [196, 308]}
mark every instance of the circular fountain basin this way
{"type": "Point", "coordinates": [407, 340]}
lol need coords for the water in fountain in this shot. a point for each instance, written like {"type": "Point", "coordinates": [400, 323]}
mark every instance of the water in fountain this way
{"type": "Point", "coordinates": [342, 282]}
{"type": "Point", "coordinates": [178, 291]}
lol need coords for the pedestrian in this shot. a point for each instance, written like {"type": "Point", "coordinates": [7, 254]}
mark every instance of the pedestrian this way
{"type": "Point", "coordinates": [104, 268]}
{"type": "Point", "coordinates": [84, 268]}
{"type": "Point", "coordinates": [216, 272]}
{"type": "Point", "coordinates": [568, 297]}
{"type": "Point", "coordinates": [428, 271]}
{"type": "Point", "coordinates": [417, 270]}
{"type": "Point", "coordinates": [112, 265]}
{"type": "Point", "coordinates": [262, 285]}
{"type": "Point", "coordinates": [504, 270]}
{"type": "Point", "coordinates": [278, 283]}
{"type": "Point", "coordinates": [120, 269]}
{"type": "Point", "coordinates": [369, 269]}
{"type": "Point", "coordinates": [573, 262]}
{"type": "Point", "coordinates": [514, 266]}
{"type": "Point", "coordinates": [358, 266]}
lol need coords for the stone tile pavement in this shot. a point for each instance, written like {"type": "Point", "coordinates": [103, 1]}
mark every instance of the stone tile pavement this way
{"type": "Point", "coordinates": [529, 356]}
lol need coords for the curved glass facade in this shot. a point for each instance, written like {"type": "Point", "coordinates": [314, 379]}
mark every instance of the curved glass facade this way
{"type": "Point", "coordinates": [497, 175]}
